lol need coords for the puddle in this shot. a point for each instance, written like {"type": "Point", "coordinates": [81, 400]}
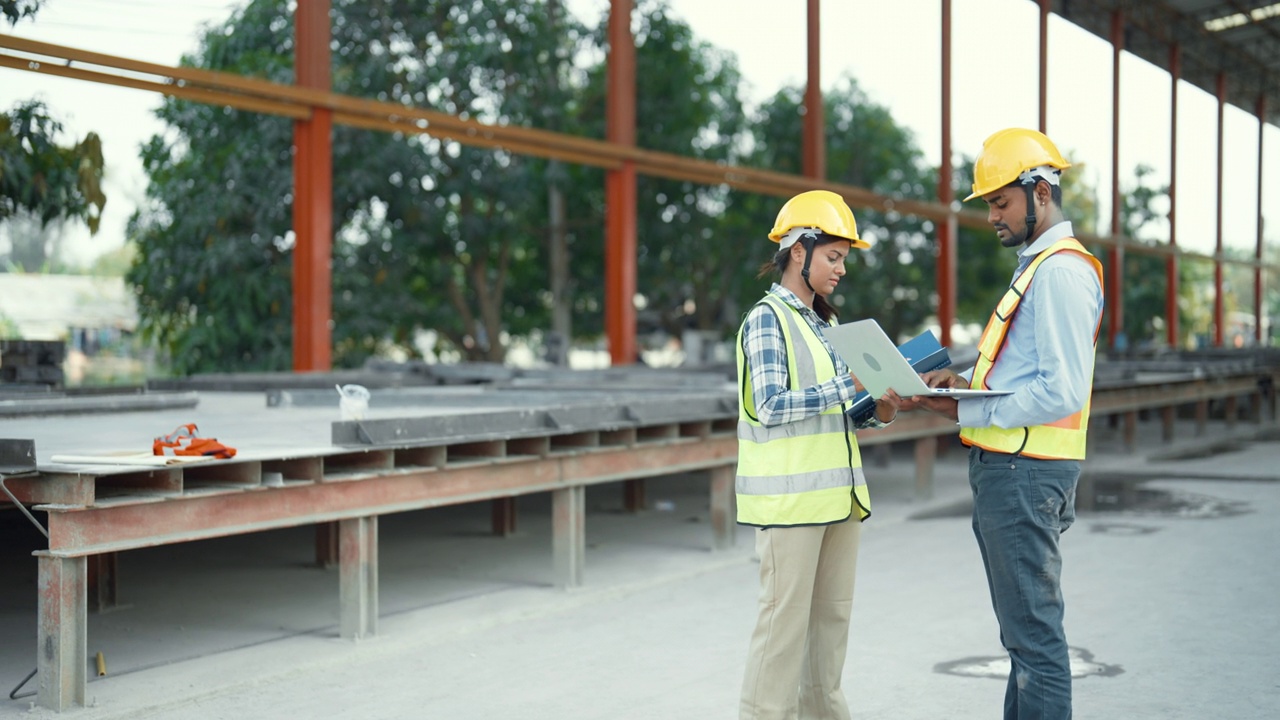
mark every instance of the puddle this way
{"type": "Point", "coordinates": [1129, 497]}
{"type": "Point", "coordinates": [1108, 528]}
{"type": "Point", "coordinates": [1082, 665]}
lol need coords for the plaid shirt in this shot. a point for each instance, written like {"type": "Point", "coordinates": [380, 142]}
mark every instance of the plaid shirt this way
{"type": "Point", "coordinates": [766, 354]}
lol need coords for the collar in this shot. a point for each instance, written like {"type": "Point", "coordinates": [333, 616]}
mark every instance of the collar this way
{"type": "Point", "coordinates": [1050, 236]}
{"type": "Point", "coordinates": [790, 298]}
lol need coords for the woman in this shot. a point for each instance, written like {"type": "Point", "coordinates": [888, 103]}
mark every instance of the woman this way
{"type": "Point", "coordinates": [799, 471]}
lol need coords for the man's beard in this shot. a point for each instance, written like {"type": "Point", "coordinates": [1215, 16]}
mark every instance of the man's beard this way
{"type": "Point", "coordinates": [1014, 239]}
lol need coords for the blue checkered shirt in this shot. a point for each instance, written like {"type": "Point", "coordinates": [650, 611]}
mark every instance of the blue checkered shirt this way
{"type": "Point", "coordinates": [766, 353]}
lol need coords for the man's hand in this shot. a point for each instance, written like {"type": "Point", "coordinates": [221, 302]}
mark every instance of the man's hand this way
{"type": "Point", "coordinates": [944, 378]}
{"type": "Point", "coordinates": [945, 407]}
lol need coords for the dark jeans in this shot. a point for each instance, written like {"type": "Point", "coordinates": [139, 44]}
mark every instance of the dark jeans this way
{"type": "Point", "coordinates": [1020, 507]}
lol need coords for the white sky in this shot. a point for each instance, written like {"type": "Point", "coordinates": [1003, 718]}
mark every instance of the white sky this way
{"type": "Point", "coordinates": [892, 49]}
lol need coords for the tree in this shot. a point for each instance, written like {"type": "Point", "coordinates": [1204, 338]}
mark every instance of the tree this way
{"type": "Point", "coordinates": [45, 180]}
{"type": "Point", "coordinates": [685, 262]}
{"type": "Point", "coordinates": [428, 233]}
{"type": "Point", "coordinates": [1145, 288]}
{"type": "Point", "coordinates": [41, 181]}
{"type": "Point", "coordinates": [892, 281]}
{"type": "Point", "coordinates": [15, 10]}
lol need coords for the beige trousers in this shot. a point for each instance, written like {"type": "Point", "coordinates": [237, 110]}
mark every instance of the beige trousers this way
{"type": "Point", "coordinates": [798, 647]}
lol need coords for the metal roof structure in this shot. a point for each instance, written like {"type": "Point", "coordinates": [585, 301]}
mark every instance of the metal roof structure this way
{"type": "Point", "coordinates": [1238, 40]}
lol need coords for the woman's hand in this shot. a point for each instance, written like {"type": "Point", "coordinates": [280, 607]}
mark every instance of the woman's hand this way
{"type": "Point", "coordinates": [887, 406]}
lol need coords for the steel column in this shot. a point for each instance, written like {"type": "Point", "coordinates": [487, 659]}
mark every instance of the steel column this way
{"type": "Point", "coordinates": [947, 230]}
{"type": "Point", "coordinates": [815, 144]}
{"type": "Point", "coordinates": [503, 516]}
{"type": "Point", "coordinates": [568, 535]}
{"type": "Point", "coordinates": [62, 656]}
{"type": "Point", "coordinates": [1219, 315]}
{"type": "Point", "coordinates": [103, 585]}
{"type": "Point", "coordinates": [1044, 65]}
{"type": "Point", "coordinates": [1259, 307]}
{"type": "Point", "coordinates": [1171, 284]}
{"type": "Point", "coordinates": [312, 194]}
{"type": "Point", "coordinates": [620, 190]}
{"type": "Point", "coordinates": [1115, 284]}
{"type": "Point", "coordinates": [633, 499]}
{"type": "Point", "coordinates": [358, 577]}
{"type": "Point", "coordinates": [723, 522]}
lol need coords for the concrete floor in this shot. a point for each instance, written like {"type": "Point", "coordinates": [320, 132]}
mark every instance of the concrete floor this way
{"type": "Point", "coordinates": [1171, 607]}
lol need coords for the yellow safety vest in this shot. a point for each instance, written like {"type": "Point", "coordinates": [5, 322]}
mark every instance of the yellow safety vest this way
{"type": "Point", "coordinates": [1062, 439]}
{"type": "Point", "coordinates": [807, 472]}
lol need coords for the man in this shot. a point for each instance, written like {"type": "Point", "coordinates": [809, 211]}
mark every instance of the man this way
{"type": "Point", "coordinates": [1025, 448]}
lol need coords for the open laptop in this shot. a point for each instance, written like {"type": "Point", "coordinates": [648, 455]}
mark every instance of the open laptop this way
{"type": "Point", "coordinates": [878, 365]}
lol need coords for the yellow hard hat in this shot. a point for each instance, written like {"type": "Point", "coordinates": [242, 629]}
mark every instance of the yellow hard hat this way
{"type": "Point", "coordinates": [821, 209]}
{"type": "Point", "coordinates": [1007, 154]}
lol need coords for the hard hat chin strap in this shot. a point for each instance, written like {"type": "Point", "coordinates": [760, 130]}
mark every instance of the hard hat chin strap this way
{"type": "Point", "coordinates": [1030, 178]}
{"type": "Point", "coordinates": [1031, 210]}
{"type": "Point", "coordinates": [808, 242]}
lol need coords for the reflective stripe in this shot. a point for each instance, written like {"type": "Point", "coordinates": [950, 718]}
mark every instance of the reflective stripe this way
{"type": "Point", "coordinates": [818, 507]}
{"type": "Point", "coordinates": [820, 425]}
{"type": "Point", "coordinates": [1073, 421]}
{"type": "Point", "coordinates": [792, 484]}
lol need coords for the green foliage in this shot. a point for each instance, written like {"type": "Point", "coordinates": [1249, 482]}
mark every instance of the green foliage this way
{"type": "Point", "coordinates": [41, 177]}
{"type": "Point", "coordinates": [432, 234]}
{"type": "Point", "coordinates": [1145, 282]}
{"type": "Point", "coordinates": [894, 280]}
{"type": "Point", "coordinates": [212, 270]}
{"type": "Point", "coordinates": [684, 260]}
{"type": "Point", "coordinates": [15, 10]}
{"type": "Point", "coordinates": [8, 327]}
{"type": "Point", "coordinates": [428, 233]}
{"type": "Point", "coordinates": [114, 263]}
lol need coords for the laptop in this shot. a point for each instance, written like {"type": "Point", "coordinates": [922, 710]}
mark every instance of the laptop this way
{"type": "Point", "coordinates": [878, 365]}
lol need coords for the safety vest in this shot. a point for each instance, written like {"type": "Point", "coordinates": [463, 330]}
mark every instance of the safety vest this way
{"type": "Point", "coordinates": [1062, 439]}
{"type": "Point", "coordinates": [807, 472]}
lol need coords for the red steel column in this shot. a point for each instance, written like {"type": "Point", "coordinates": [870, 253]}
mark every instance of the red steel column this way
{"type": "Point", "coordinates": [1044, 65]}
{"type": "Point", "coordinates": [312, 195]}
{"type": "Point", "coordinates": [620, 190]}
{"type": "Point", "coordinates": [1219, 316]}
{"type": "Point", "coordinates": [1171, 284]}
{"type": "Point", "coordinates": [1259, 307]}
{"type": "Point", "coordinates": [1115, 284]}
{"type": "Point", "coordinates": [947, 230]}
{"type": "Point", "coordinates": [815, 143]}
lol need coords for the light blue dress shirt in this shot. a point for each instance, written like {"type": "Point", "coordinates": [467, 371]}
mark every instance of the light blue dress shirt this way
{"type": "Point", "coordinates": [1048, 356]}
